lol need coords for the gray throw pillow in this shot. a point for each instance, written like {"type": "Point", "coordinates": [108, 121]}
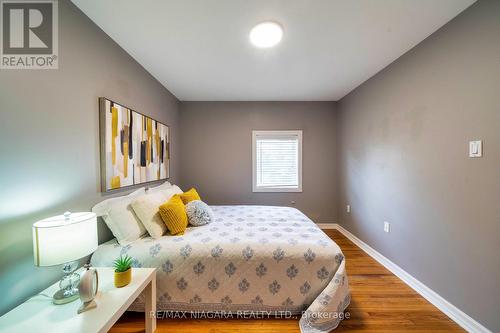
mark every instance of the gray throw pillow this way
{"type": "Point", "coordinates": [199, 213]}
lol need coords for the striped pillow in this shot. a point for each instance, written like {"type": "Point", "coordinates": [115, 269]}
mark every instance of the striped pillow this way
{"type": "Point", "coordinates": [173, 214]}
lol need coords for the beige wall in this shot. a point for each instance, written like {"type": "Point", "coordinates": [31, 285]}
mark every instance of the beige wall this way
{"type": "Point", "coordinates": [216, 152]}
{"type": "Point", "coordinates": [404, 159]}
{"type": "Point", "coordinates": [49, 140]}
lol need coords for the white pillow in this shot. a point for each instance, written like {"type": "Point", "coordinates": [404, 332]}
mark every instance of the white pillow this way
{"type": "Point", "coordinates": [146, 208]}
{"type": "Point", "coordinates": [103, 207]}
{"type": "Point", "coordinates": [120, 218]}
{"type": "Point", "coordinates": [165, 186]}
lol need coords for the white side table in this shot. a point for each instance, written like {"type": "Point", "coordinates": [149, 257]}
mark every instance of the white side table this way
{"type": "Point", "coordinates": [39, 314]}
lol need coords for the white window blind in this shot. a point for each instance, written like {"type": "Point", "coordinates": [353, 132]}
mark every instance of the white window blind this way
{"type": "Point", "coordinates": [277, 161]}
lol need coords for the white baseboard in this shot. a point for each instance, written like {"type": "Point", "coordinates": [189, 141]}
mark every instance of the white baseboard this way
{"type": "Point", "coordinates": [455, 314]}
{"type": "Point", "coordinates": [327, 225]}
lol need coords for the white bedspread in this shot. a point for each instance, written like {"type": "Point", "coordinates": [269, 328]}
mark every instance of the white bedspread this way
{"type": "Point", "coordinates": [252, 258]}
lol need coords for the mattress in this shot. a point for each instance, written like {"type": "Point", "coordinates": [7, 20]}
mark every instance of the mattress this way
{"type": "Point", "coordinates": [261, 259]}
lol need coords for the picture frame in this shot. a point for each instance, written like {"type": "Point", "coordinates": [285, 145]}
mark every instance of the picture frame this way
{"type": "Point", "coordinates": [134, 148]}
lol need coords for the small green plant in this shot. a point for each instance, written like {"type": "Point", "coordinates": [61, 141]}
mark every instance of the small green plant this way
{"type": "Point", "coordinates": [123, 263]}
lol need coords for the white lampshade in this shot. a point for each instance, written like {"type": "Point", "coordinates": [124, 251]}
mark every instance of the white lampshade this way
{"type": "Point", "coordinates": [64, 238]}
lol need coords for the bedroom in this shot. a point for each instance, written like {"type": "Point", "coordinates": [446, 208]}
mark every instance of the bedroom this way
{"type": "Point", "coordinates": [345, 154]}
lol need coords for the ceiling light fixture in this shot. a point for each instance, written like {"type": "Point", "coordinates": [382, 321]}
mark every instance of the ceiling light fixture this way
{"type": "Point", "coordinates": [266, 34]}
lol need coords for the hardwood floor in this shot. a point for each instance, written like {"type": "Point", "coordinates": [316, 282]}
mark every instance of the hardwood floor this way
{"type": "Point", "coordinates": [380, 303]}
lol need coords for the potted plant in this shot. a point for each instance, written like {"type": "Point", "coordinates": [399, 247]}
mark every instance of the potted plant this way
{"type": "Point", "coordinates": [123, 271]}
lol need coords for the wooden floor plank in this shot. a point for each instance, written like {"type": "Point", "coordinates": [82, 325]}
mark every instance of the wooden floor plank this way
{"type": "Point", "coordinates": [381, 302]}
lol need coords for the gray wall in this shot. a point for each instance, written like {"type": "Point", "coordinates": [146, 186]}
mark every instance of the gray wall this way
{"type": "Point", "coordinates": [403, 158]}
{"type": "Point", "coordinates": [216, 146]}
{"type": "Point", "coordinates": [49, 140]}
{"type": "Point", "coordinates": [399, 141]}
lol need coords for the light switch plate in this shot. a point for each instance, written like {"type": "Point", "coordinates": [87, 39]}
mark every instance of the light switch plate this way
{"type": "Point", "coordinates": [476, 148]}
{"type": "Point", "coordinates": [387, 226]}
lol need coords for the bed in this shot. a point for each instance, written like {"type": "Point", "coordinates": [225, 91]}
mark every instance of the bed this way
{"type": "Point", "coordinates": [251, 259]}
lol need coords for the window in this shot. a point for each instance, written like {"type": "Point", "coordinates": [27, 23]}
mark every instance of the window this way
{"type": "Point", "coordinates": [277, 161]}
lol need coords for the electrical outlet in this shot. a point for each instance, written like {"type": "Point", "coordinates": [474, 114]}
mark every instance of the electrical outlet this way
{"type": "Point", "coordinates": [348, 208]}
{"type": "Point", "coordinates": [387, 226]}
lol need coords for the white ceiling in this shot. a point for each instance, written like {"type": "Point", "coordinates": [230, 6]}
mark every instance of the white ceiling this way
{"type": "Point", "coordinates": [199, 49]}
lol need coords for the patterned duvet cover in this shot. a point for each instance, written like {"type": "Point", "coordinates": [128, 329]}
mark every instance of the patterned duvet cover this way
{"type": "Point", "coordinates": [260, 259]}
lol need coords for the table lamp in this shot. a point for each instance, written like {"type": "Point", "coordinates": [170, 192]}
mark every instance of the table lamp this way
{"type": "Point", "coordinates": [62, 240]}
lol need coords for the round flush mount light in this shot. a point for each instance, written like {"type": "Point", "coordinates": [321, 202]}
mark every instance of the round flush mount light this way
{"type": "Point", "coordinates": [266, 34]}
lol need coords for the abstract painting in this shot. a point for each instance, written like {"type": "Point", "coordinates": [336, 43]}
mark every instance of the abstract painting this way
{"type": "Point", "coordinates": [134, 148]}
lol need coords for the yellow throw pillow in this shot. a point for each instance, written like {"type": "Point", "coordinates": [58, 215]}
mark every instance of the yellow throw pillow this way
{"type": "Point", "coordinates": [173, 214]}
{"type": "Point", "coordinates": [190, 196]}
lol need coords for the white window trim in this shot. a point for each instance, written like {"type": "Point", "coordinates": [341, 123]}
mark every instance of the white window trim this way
{"type": "Point", "coordinates": [255, 188]}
